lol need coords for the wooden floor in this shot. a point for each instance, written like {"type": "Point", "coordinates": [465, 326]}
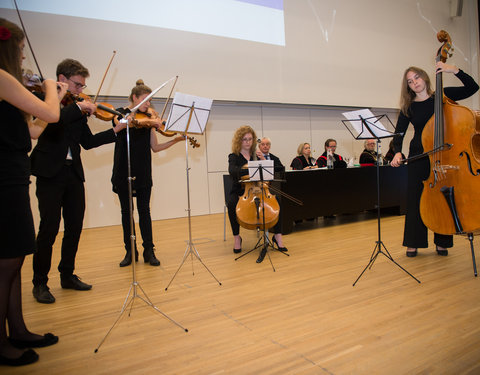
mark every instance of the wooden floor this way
{"type": "Point", "coordinates": [304, 318]}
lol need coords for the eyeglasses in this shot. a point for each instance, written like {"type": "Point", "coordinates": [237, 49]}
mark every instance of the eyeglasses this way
{"type": "Point", "coordinates": [78, 85]}
{"type": "Point", "coordinates": [247, 139]}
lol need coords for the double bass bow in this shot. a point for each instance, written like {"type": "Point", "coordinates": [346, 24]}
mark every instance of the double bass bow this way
{"type": "Point", "coordinates": [450, 203]}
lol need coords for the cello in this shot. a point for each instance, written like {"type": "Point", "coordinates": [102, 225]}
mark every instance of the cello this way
{"type": "Point", "coordinates": [450, 200]}
{"type": "Point", "coordinates": [257, 208]}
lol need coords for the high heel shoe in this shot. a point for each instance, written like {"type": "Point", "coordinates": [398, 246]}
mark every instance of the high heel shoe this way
{"type": "Point", "coordinates": [274, 240]}
{"type": "Point", "coordinates": [412, 254]}
{"type": "Point", "coordinates": [442, 252]}
{"type": "Point", "coordinates": [236, 251]}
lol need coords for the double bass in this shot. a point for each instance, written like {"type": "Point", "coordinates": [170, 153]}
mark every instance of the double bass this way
{"type": "Point", "coordinates": [450, 201]}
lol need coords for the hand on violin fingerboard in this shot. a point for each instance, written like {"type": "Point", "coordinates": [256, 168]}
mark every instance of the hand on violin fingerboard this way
{"type": "Point", "coordinates": [87, 107]}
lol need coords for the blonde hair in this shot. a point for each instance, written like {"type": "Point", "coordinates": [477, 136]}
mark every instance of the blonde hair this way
{"type": "Point", "coordinates": [407, 95]}
{"type": "Point", "coordinates": [238, 137]}
{"type": "Point", "coordinates": [300, 148]}
{"type": "Point", "coordinates": [139, 89]}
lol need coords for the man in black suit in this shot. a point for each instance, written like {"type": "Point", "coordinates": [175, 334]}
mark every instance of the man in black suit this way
{"type": "Point", "coordinates": [56, 163]}
{"type": "Point", "coordinates": [263, 153]}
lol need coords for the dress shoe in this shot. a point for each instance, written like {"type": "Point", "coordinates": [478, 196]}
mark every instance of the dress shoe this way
{"type": "Point", "coordinates": [27, 357]}
{"type": "Point", "coordinates": [42, 294]}
{"type": "Point", "coordinates": [73, 282]}
{"type": "Point", "coordinates": [149, 257]}
{"type": "Point", "coordinates": [236, 251]}
{"type": "Point", "coordinates": [262, 255]}
{"type": "Point", "coordinates": [274, 240]}
{"type": "Point", "coordinates": [128, 259]}
{"type": "Point", "coordinates": [442, 252]}
{"type": "Point", "coordinates": [412, 254]}
{"type": "Point", "coordinates": [47, 340]}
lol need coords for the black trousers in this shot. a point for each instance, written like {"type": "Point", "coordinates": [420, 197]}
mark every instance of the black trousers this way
{"type": "Point", "coordinates": [232, 215]}
{"type": "Point", "coordinates": [145, 220]}
{"type": "Point", "coordinates": [64, 195]}
{"type": "Point", "coordinates": [416, 233]}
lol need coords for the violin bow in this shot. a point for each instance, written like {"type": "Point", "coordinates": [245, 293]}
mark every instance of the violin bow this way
{"type": "Point", "coordinates": [28, 40]}
{"type": "Point", "coordinates": [169, 96]}
{"type": "Point", "coordinates": [103, 79]}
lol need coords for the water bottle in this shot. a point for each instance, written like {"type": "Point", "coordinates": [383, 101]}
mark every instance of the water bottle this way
{"type": "Point", "coordinates": [329, 159]}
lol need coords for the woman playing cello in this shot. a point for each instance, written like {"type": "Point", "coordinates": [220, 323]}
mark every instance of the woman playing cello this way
{"type": "Point", "coordinates": [416, 107]}
{"type": "Point", "coordinates": [243, 150]}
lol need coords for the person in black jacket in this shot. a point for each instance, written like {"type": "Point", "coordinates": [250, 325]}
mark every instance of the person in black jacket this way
{"type": "Point", "coordinates": [60, 190]}
{"type": "Point", "coordinates": [330, 147]}
{"type": "Point", "coordinates": [263, 153]}
{"type": "Point", "coordinates": [416, 107]}
{"type": "Point", "coordinates": [243, 150]}
{"type": "Point", "coordinates": [304, 159]}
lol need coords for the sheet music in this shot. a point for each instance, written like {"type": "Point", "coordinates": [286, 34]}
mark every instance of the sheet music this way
{"type": "Point", "coordinates": [180, 113]}
{"type": "Point", "coordinates": [254, 172]}
{"type": "Point", "coordinates": [378, 129]}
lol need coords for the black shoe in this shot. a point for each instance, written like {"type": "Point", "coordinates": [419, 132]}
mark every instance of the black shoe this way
{"type": "Point", "coordinates": [149, 257]}
{"type": "Point", "coordinates": [42, 294]}
{"type": "Point", "coordinates": [47, 340]}
{"type": "Point", "coordinates": [236, 251]}
{"type": "Point", "coordinates": [128, 259]}
{"type": "Point", "coordinates": [73, 282]}
{"type": "Point", "coordinates": [262, 255]}
{"type": "Point", "coordinates": [274, 240]}
{"type": "Point", "coordinates": [27, 357]}
{"type": "Point", "coordinates": [442, 253]}
{"type": "Point", "coordinates": [412, 254]}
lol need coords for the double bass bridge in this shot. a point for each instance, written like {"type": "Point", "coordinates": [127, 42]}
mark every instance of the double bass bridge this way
{"type": "Point", "coordinates": [440, 171]}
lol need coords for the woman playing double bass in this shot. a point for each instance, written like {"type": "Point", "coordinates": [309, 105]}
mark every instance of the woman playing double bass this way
{"type": "Point", "coordinates": [416, 107]}
{"type": "Point", "coordinates": [243, 150]}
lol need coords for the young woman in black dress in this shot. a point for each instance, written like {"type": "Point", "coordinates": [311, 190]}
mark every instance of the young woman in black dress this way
{"type": "Point", "coordinates": [17, 231]}
{"type": "Point", "coordinates": [416, 107]}
{"type": "Point", "coordinates": [143, 141]}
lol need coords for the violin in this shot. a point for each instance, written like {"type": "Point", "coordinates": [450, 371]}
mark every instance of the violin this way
{"type": "Point", "coordinates": [104, 111]}
{"type": "Point", "coordinates": [257, 203]}
{"type": "Point", "coordinates": [450, 202]}
{"type": "Point", "coordinates": [151, 119]}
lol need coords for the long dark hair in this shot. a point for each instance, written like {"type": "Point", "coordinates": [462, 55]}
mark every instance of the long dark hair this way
{"type": "Point", "coordinates": [10, 53]}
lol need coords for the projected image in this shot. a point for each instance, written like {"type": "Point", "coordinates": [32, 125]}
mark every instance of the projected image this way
{"type": "Point", "coordinates": [254, 20]}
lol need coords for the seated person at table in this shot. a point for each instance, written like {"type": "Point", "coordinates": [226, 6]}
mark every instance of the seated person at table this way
{"type": "Point", "coordinates": [330, 147]}
{"type": "Point", "coordinates": [369, 156]}
{"type": "Point", "coordinates": [263, 153]}
{"type": "Point", "coordinates": [303, 160]}
{"type": "Point", "coordinates": [390, 154]}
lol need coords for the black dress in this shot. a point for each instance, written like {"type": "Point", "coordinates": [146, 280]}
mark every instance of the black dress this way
{"type": "Point", "coordinates": [300, 162]}
{"type": "Point", "coordinates": [16, 221]}
{"type": "Point", "coordinates": [415, 232]}
{"type": "Point", "coordinates": [141, 169]}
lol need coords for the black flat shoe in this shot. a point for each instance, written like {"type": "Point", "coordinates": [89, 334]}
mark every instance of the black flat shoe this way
{"type": "Point", "coordinates": [47, 340]}
{"type": "Point", "coordinates": [27, 357]}
{"type": "Point", "coordinates": [412, 254]}
{"type": "Point", "coordinates": [236, 251]}
{"type": "Point", "coordinates": [274, 240]}
{"type": "Point", "coordinates": [442, 253]}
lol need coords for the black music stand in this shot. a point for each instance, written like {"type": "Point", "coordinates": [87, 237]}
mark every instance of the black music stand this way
{"type": "Point", "coordinates": [189, 114]}
{"type": "Point", "coordinates": [364, 125]}
{"type": "Point", "coordinates": [262, 170]}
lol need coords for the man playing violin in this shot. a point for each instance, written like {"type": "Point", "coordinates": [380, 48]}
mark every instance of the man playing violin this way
{"type": "Point", "coordinates": [56, 163]}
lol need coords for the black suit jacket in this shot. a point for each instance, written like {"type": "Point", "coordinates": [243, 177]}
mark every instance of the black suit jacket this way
{"type": "Point", "coordinates": [50, 153]}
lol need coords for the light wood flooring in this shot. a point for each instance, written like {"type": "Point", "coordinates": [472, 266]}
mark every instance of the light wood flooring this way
{"type": "Point", "coordinates": [304, 318]}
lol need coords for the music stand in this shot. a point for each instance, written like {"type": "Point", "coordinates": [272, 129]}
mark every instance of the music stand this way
{"type": "Point", "coordinates": [262, 170]}
{"type": "Point", "coordinates": [363, 124]}
{"type": "Point", "coordinates": [135, 284]}
{"type": "Point", "coordinates": [189, 114]}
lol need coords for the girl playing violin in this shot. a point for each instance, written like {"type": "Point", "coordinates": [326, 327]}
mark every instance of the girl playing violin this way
{"type": "Point", "coordinates": [17, 231]}
{"type": "Point", "coordinates": [416, 107]}
{"type": "Point", "coordinates": [243, 150]}
{"type": "Point", "coordinates": [142, 140]}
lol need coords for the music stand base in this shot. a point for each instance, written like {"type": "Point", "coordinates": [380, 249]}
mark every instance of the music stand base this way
{"type": "Point", "coordinates": [132, 294]}
{"type": "Point", "coordinates": [378, 250]}
{"type": "Point", "coordinates": [192, 251]}
{"type": "Point", "coordinates": [265, 245]}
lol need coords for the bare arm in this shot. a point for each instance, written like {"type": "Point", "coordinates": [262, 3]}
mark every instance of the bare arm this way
{"type": "Point", "coordinates": [13, 92]}
{"type": "Point", "coordinates": [156, 147]}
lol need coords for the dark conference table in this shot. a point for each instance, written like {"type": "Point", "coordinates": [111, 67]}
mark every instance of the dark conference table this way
{"type": "Point", "coordinates": [341, 191]}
